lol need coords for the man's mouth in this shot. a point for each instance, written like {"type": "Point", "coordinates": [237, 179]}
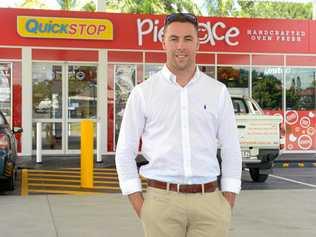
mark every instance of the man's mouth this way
{"type": "Point", "coordinates": [180, 56]}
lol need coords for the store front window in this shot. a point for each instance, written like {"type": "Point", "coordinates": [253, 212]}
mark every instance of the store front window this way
{"type": "Point", "coordinates": [208, 70]}
{"type": "Point", "coordinates": [5, 89]}
{"type": "Point", "coordinates": [151, 69]}
{"type": "Point", "coordinates": [124, 82]}
{"type": "Point", "coordinates": [300, 109]}
{"type": "Point", "coordinates": [235, 78]}
{"type": "Point", "coordinates": [267, 87]}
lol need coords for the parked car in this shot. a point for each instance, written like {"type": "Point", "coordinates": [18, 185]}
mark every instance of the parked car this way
{"type": "Point", "coordinates": [8, 154]}
{"type": "Point", "coordinates": [259, 137]}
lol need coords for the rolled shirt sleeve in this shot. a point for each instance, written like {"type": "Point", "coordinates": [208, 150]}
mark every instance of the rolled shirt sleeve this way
{"type": "Point", "coordinates": [230, 146]}
{"type": "Point", "coordinates": [128, 143]}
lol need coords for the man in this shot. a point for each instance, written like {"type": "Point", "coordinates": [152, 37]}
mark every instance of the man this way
{"type": "Point", "coordinates": [181, 115]}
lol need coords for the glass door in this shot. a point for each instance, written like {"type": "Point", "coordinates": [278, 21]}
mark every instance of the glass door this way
{"type": "Point", "coordinates": [81, 102]}
{"type": "Point", "coordinates": [63, 95]}
{"type": "Point", "coordinates": [47, 96]}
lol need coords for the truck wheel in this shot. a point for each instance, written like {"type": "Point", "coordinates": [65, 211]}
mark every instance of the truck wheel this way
{"type": "Point", "coordinates": [256, 176]}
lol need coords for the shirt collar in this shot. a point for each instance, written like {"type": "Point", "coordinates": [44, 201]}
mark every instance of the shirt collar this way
{"type": "Point", "coordinates": [170, 77]}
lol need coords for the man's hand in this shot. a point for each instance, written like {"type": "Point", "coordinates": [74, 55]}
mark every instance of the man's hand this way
{"type": "Point", "coordinates": [137, 200]}
{"type": "Point", "coordinates": [230, 197]}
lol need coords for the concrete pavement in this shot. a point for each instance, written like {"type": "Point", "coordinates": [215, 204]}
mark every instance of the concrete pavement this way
{"type": "Point", "coordinates": [273, 213]}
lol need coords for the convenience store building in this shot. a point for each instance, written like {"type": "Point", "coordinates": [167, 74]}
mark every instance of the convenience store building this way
{"type": "Point", "coordinates": [59, 67]}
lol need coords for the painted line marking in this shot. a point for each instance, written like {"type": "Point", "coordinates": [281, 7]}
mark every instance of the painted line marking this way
{"type": "Point", "coordinates": [74, 181]}
{"type": "Point", "coordinates": [24, 182]}
{"type": "Point", "coordinates": [69, 171]}
{"type": "Point", "coordinates": [293, 181]}
{"type": "Point", "coordinates": [71, 181]}
{"type": "Point", "coordinates": [69, 186]}
{"type": "Point", "coordinates": [107, 169]}
{"type": "Point", "coordinates": [70, 176]}
{"type": "Point", "coordinates": [64, 192]}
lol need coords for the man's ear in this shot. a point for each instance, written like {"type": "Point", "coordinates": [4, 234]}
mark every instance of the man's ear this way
{"type": "Point", "coordinates": [163, 42]}
{"type": "Point", "coordinates": [198, 44]}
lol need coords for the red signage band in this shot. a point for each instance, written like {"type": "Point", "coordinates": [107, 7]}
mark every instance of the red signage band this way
{"type": "Point", "coordinates": [144, 32]}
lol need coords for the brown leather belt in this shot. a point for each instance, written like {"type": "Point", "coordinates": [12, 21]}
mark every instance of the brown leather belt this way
{"type": "Point", "coordinates": [183, 188]}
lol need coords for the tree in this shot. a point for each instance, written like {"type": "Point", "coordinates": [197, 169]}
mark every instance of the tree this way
{"type": "Point", "coordinates": [33, 4]}
{"type": "Point", "coordinates": [89, 7]}
{"type": "Point", "coordinates": [267, 90]}
{"type": "Point", "coordinates": [67, 4]}
{"type": "Point", "coordinates": [152, 6]}
{"type": "Point", "coordinates": [258, 9]}
{"type": "Point", "coordinates": [220, 7]}
{"type": "Point", "coordinates": [275, 10]}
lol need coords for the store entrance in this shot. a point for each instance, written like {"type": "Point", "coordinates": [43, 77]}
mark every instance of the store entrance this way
{"type": "Point", "coordinates": [62, 95]}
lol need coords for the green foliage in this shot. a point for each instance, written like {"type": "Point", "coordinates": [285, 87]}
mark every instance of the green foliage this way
{"type": "Point", "coordinates": [67, 4]}
{"type": "Point", "coordinates": [220, 7]}
{"type": "Point", "coordinates": [231, 8]}
{"type": "Point", "coordinates": [152, 6]}
{"type": "Point", "coordinates": [275, 10]}
{"type": "Point", "coordinates": [267, 90]}
{"type": "Point", "coordinates": [89, 7]}
{"type": "Point", "coordinates": [37, 4]}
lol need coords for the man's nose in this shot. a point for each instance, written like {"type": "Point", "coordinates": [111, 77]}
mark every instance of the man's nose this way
{"type": "Point", "coordinates": [180, 44]}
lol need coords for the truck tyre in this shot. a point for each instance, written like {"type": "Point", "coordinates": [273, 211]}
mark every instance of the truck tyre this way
{"type": "Point", "coordinates": [256, 176]}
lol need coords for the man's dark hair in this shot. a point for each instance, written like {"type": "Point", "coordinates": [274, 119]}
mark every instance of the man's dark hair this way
{"type": "Point", "coordinates": [181, 17]}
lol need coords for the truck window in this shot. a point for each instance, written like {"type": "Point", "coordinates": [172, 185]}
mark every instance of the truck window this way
{"type": "Point", "coordinates": [254, 107]}
{"type": "Point", "coordinates": [239, 106]}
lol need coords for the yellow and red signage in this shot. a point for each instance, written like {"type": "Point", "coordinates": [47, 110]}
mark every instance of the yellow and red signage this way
{"type": "Point", "coordinates": [64, 28]}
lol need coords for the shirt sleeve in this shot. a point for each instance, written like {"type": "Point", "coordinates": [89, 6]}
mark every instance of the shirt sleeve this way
{"type": "Point", "coordinates": [230, 147]}
{"type": "Point", "coordinates": [128, 143]}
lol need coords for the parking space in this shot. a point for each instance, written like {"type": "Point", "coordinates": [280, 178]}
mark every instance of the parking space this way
{"type": "Point", "coordinates": [283, 178]}
{"type": "Point", "coordinates": [67, 181]}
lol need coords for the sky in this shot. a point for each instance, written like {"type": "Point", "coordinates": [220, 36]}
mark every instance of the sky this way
{"type": "Point", "coordinates": [52, 4]}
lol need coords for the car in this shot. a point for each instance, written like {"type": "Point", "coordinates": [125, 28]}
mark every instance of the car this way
{"type": "Point", "coordinates": [8, 154]}
{"type": "Point", "coordinates": [259, 136]}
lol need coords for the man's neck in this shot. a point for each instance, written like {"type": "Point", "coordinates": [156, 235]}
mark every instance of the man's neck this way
{"type": "Point", "coordinates": [183, 77]}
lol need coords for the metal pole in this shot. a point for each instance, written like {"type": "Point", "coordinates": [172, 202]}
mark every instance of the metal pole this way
{"type": "Point", "coordinates": [39, 142]}
{"type": "Point", "coordinates": [86, 159]}
{"type": "Point", "coordinates": [314, 10]}
{"type": "Point", "coordinates": [99, 150]}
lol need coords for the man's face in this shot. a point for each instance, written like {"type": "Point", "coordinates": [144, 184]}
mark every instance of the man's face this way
{"type": "Point", "coordinates": [181, 43]}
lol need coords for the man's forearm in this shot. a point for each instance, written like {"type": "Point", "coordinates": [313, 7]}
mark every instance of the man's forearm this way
{"type": "Point", "coordinates": [137, 200]}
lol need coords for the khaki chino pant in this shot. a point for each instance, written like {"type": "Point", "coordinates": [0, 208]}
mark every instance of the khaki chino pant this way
{"type": "Point", "coordinates": [171, 214]}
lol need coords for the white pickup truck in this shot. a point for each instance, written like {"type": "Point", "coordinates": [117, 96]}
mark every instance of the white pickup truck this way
{"type": "Point", "coordinates": [259, 137]}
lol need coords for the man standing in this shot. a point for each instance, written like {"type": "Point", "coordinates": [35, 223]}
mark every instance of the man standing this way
{"type": "Point", "coordinates": [181, 115]}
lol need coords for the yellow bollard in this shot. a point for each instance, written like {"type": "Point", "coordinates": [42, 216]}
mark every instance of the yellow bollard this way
{"type": "Point", "coordinates": [86, 159]}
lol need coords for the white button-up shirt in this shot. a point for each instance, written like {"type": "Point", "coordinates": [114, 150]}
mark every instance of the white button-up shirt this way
{"type": "Point", "coordinates": [181, 128]}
